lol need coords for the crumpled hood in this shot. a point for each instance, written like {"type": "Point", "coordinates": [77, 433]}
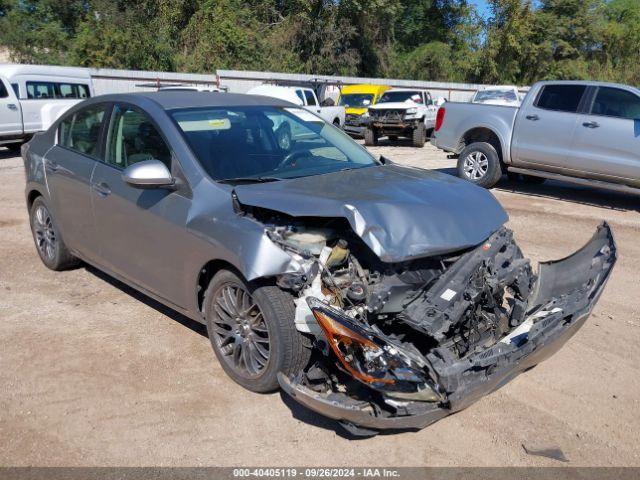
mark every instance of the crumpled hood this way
{"type": "Point", "coordinates": [400, 213]}
{"type": "Point", "coordinates": [393, 105]}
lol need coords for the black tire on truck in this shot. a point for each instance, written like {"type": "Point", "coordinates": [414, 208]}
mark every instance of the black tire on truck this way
{"type": "Point", "coordinates": [479, 164]}
{"type": "Point", "coordinates": [370, 137]}
{"type": "Point", "coordinates": [393, 138]}
{"type": "Point", "coordinates": [14, 147]}
{"type": "Point", "coordinates": [252, 331]}
{"type": "Point", "coordinates": [419, 136]}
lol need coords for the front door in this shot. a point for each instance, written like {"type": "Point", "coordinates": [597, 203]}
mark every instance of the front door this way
{"type": "Point", "coordinates": [607, 140]}
{"type": "Point", "coordinates": [10, 115]}
{"type": "Point", "coordinates": [69, 166]}
{"type": "Point", "coordinates": [544, 131]}
{"type": "Point", "coordinates": [138, 227]}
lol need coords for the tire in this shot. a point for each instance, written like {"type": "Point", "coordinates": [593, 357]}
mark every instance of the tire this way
{"type": "Point", "coordinates": [370, 137]}
{"type": "Point", "coordinates": [336, 123]}
{"type": "Point", "coordinates": [393, 138]}
{"type": "Point", "coordinates": [14, 147]}
{"type": "Point", "coordinates": [419, 136]}
{"type": "Point", "coordinates": [479, 164]}
{"type": "Point", "coordinates": [48, 239]}
{"type": "Point", "coordinates": [265, 334]}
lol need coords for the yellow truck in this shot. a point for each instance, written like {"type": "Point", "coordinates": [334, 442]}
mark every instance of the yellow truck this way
{"type": "Point", "coordinates": [356, 99]}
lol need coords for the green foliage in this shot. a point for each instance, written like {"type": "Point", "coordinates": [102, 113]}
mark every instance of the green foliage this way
{"type": "Point", "coordinates": [520, 42]}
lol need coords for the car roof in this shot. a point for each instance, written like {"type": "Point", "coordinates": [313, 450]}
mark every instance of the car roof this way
{"type": "Point", "coordinates": [12, 69]}
{"type": "Point", "coordinates": [178, 99]}
{"type": "Point", "coordinates": [589, 83]}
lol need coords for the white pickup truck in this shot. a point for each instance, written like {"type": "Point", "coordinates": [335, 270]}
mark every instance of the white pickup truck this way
{"type": "Point", "coordinates": [576, 131]}
{"type": "Point", "coordinates": [304, 97]}
{"type": "Point", "coordinates": [30, 100]}
{"type": "Point", "coordinates": [401, 112]}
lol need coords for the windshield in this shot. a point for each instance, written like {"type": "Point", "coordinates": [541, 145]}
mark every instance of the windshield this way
{"type": "Point", "coordinates": [356, 100]}
{"type": "Point", "coordinates": [401, 96]}
{"type": "Point", "coordinates": [267, 143]}
{"type": "Point", "coordinates": [486, 95]}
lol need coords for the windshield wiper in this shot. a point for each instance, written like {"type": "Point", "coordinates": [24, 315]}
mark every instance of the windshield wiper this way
{"type": "Point", "coordinates": [250, 180]}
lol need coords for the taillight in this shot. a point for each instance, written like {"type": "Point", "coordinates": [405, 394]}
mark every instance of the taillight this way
{"type": "Point", "coordinates": [440, 118]}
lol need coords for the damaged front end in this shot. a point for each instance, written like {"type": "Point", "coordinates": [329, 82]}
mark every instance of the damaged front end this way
{"type": "Point", "coordinates": [401, 345]}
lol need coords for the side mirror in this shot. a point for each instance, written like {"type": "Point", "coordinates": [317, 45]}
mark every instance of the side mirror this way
{"type": "Point", "coordinates": [328, 102]}
{"type": "Point", "coordinates": [148, 174]}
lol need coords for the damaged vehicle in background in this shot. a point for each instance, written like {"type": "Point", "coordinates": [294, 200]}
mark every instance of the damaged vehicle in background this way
{"type": "Point", "coordinates": [371, 293]}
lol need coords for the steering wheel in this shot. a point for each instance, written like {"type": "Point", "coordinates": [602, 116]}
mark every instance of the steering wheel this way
{"type": "Point", "coordinates": [291, 158]}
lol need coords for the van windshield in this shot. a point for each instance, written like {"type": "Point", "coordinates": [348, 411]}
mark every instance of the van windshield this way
{"type": "Point", "coordinates": [356, 100]}
{"type": "Point", "coordinates": [258, 143]}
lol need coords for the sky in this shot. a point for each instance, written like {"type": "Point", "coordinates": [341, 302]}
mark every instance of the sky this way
{"type": "Point", "coordinates": [483, 8]}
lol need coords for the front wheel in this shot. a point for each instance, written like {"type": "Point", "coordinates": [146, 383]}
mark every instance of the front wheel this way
{"type": "Point", "coordinates": [419, 136]}
{"type": "Point", "coordinates": [252, 331]}
{"type": "Point", "coordinates": [370, 137]}
{"type": "Point", "coordinates": [479, 163]}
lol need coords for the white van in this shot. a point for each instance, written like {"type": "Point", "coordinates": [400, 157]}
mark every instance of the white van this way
{"type": "Point", "coordinates": [32, 97]}
{"type": "Point", "coordinates": [306, 98]}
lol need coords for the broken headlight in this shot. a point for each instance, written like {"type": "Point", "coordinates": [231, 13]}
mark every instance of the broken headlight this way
{"type": "Point", "coordinates": [372, 359]}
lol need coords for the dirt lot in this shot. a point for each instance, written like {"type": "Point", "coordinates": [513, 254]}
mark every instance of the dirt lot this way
{"type": "Point", "coordinates": [94, 374]}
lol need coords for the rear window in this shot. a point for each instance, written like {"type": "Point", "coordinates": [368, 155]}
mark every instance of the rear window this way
{"type": "Point", "coordinates": [615, 102]}
{"type": "Point", "coordinates": [3, 90]}
{"type": "Point", "coordinates": [561, 98]}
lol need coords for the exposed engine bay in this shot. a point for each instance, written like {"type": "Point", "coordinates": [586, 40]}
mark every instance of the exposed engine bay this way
{"type": "Point", "coordinates": [401, 345]}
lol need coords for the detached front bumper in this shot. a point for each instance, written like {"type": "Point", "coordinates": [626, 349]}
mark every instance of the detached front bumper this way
{"type": "Point", "coordinates": [565, 295]}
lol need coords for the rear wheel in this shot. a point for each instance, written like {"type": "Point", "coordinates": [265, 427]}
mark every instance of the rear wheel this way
{"type": "Point", "coordinates": [479, 163]}
{"type": "Point", "coordinates": [419, 136]}
{"type": "Point", "coordinates": [252, 331]}
{"type": "Point", "coordinates": [46, 235]}
{"type": "Point", "coordinates": [370, 137]}
{"type": "Point", "coordinates": [393, 138]}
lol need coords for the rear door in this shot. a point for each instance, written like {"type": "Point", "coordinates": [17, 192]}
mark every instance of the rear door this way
{"type": "Point", "coordinates": [69, 166]}
{"type": "Point", "coordinates": [607, 140]}
{"type": "Point", "coordinates": [137, 235]}
{"type": "Point", "coordinates": [10, 114]}
{"type": "Point", "coordinates": [544, 130]}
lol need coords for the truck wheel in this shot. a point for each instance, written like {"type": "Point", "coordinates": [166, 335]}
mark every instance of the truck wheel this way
{"type": "Point", "coordinates": [419, 136]}
{"type": "Point", "coordinates": [370, 137]}
{"type": "Point", "coordinates": [252, 331]}
{"type": "Point", "coordinates": [393, 138]}
{"type": "Point", "coordinates": [336, 122]}
{"type": "Point", "coordinates": [46, 235]}
{"type": "Point", "coordinates": [14, 147]}
{"type": "Point", "coordinates": [479, 164]}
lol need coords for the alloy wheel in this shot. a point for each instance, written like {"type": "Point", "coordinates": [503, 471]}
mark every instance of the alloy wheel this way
{"type": "Point", "coordinates": [240, 330]}
{"type": "Point", "coordinates": [46, 240]}
{"type": "Point", "coordinates": [476, 165]}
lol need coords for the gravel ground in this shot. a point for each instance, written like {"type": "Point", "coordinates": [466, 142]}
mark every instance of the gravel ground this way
{"type": "Point", "coordinates": [95, 374]}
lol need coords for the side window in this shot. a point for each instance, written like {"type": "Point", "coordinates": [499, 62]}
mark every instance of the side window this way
{"type": "Point", "coordinates": [81, 132]}
{"type": "Point", "coordinates": [560, 98]}
{"type": "Point", "coordinates": [3, 90]}
{"type": "Point", "coordinates": [37, 90]}
{"type": "Point", "coordinates": [71, 90]}
{"type": "Point", "coordinates": [311, 98]}
{"type": "Point", "coordinates": [300, 95]}
{"type": "Point", "coordinates": [615, 102]}
{"type": "Point", "coordinates": [133, 138]}
{"type": "Point", "coordinates": [16, 89]}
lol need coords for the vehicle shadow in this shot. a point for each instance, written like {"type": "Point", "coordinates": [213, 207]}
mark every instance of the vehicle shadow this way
{"type": "Point", "coordinates": [567, 192]}
{"type": "Point", "coordinates": [570, 192]}
{"type": "Point", "coordinates": [6, 153]}
{"type": "Point", "coordinates": [400, 142]}
{"type": "Point", "coordinates": [150, 302]}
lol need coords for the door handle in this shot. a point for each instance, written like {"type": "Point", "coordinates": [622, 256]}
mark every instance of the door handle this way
{"type": "Point", "coordinates": [12, 106]}
{"type": "Point", "coordinates": [318, 110]}
{"type": "Point", "coordinates": [591, 124]}
{"type": "Point", "coordinates": [102, 189]}
{"type": "Point", "coordinates": [52, 166]}
{"type": "Point", "coordinates": [532, 117]}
